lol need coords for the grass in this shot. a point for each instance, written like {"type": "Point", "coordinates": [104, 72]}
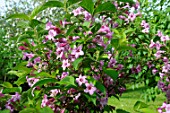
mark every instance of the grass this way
{"type": "Point", "coordinates": [130, 97]}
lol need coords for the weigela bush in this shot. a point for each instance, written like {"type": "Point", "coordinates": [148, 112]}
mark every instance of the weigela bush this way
{"type": "Point", "coordinates": [76, 64]}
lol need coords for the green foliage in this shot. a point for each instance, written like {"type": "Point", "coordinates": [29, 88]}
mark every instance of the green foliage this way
{"type": "Point", "coordinates": [112, 73]}
{"type": "Point", "coordinates": [87, 5]}
{"type": "Point", "coordinates": [105, 7]}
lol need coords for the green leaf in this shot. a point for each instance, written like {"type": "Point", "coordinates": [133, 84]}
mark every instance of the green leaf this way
{"type": "Point", "coordinates": [5, 111]}
{"type": "Point", "coordinates": [46, 110]}
{"type": "Point", "coordinates": [126, 47]}
{"type": "Point", "coordinates": [70, 30]}
{"type": "Point", "coordinates": [139, 105]}
{"type": "Point", "coordinates": [12, 90]}
{"type": "Point", "coordinates": [44, 81]}
{"type": "Point", "coordinates": [115, 43]}
{"type": "Point", "coordinates": [105, 7]}
{"type": "Point", "coordinates": [33, 23]}
{"type": "Point", "coordinates": [43, 74]}
{"type": "Point", "coordinates": [88, 5]}
{"type": "Point", "coordinates": [112, 73]}
{"type": "Point", "coordinates": [71, 2]}
{"type": "Point", "coordinates": [20, 16]}
{"type": "Point", "coordinates": [6, 85]}
{"type": "Point", "coordinates": [91, 98]}
{"type": "Point", "coordinates": [77, 62]}
{"type": "Point", "coordinates": [87, 24]}
{"type": "Point", "coordinates": [96, 27]}
{"type": "Point", "coordinates": [100, 86]}
{"type": "Point", "coordinates": [68, 80]}
{"type": "Point", "coordinates": [46, 5]}
{"type": "Point", "coordinates": [21, 80]}
{"type": "Point", "coordinates": [28, 110]}
{"type": "Point", "coordinates": [129, 1]}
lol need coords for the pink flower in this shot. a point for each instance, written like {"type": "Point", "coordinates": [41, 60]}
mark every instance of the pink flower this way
{"type": "Point", "coordinates": [143, 23]}
{"type": "Point", "coordinates": [44, 101]}
{"type": "Point", "coordinates": [159, 33]}
{"type": "Point", "coordinates": [78, 11]}
{"type": "Point", "coordinates": [146, 30]}
{"type": "Point", "coordinates": [31, 81]}
{"type": "Point", "coordinates": [165, 38]}
{"type": "Point", "coordinates": [54, 92]}
{"type": "Point", "coordinates": [112, 63]}
{"type": "Point", "coordinates": [132, 17]}
{"type": "Point", "coordinates": [104, 101]}
{"type": "Point", "coordinates": [65, 64]}
{"type": "Point", "coordinates": [49, 26]}
{"type": "Point", "coordinates": [64, 74]}
{"type": "Point", "coordinates": [37, 60]}
{"type": "Point", "coordinates": [87, 16]}
{"type": "Point", "coordinates": [154, 71]}
{"type": "Point", "coordinates": [90, 88]}
{"type": "Point", "coordinates": [81, 80]}
{"type": "Point", "coordinates": [158, 53]}
{"type": "Point", "coordinates": [77, 51]}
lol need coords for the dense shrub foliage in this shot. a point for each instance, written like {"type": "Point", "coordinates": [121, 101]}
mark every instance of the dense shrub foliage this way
{"type": "Point", "coordinates": [76, 62]}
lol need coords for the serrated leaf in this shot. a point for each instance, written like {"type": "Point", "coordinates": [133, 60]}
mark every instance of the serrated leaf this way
{"type": "Point", "coordinates": [44, 81]}
{"type": "Point", "coordinates": [46, 5]}
{"type": "Point", "coordinates": [88, 5]}
{"type": "Point", "coordinates": [105, 7]}
{"type": "Point", "coordinates": [77, 62]}
{"type": "Point", "coordinates": [139, 105]}
{"type": "Point", "coordinates": [6, 85]}
{"type": "Point", "coordinates": [11, 90]}
{"type": "Point", "coordinates": [20, 16]}
{"type": "Point", "coordinates": [112, 73]}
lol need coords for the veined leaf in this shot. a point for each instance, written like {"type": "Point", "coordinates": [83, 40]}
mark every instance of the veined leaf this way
{"type": "Point", "coordinates": [107, 6]}
{"type": "Point", "coordinates": [20, 16]}
{"type": "Point", "coordinates": [88, 5]}
{"type": "Point", "coordinates": [46, 5]}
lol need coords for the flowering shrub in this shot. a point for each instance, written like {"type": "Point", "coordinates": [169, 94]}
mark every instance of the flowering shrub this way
{"type": "Point", "coordinates": [76, 64]}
